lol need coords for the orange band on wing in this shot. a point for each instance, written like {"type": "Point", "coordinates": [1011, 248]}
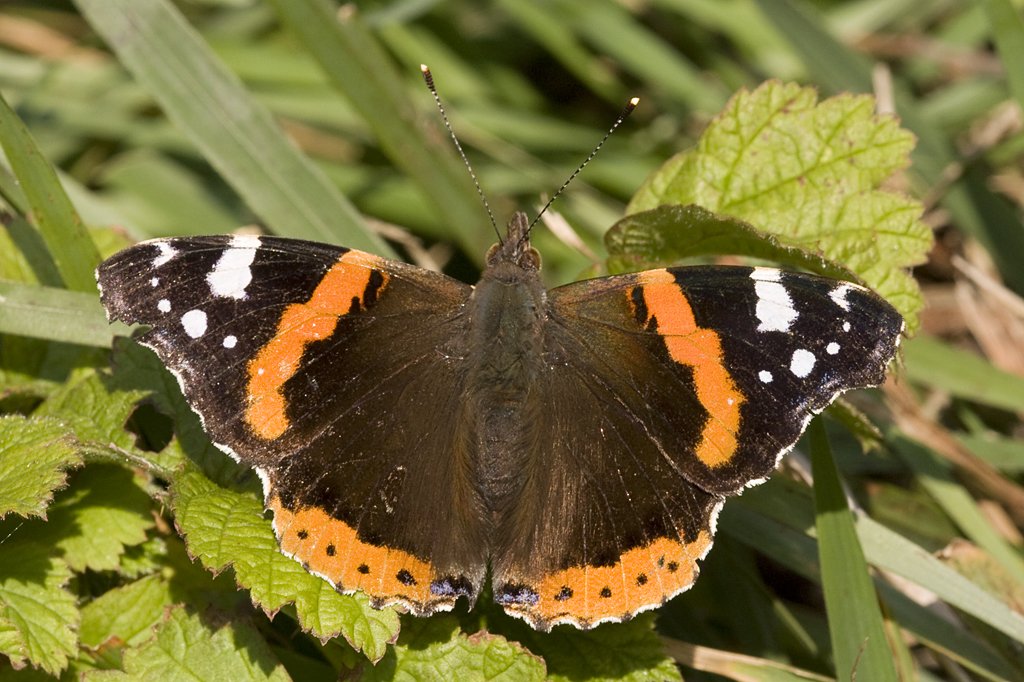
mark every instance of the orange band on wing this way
{"type": "Point", "coordinates": [643, 577]}
{"type": "Point", "coordinates": [332, 549]}
{"type": "Point", "coordinates": [700, 349]}
{"type": "Point", "coordinates": [340, 292]}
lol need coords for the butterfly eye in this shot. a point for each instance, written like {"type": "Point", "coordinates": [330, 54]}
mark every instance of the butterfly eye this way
{"type": "Point", "coordinates": [530, 259]}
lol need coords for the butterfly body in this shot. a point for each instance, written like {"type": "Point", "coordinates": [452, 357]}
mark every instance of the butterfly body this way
{"type": "Point", "coordinates": [413, 432]}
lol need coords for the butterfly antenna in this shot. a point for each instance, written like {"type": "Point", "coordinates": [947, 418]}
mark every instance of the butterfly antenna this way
{"type": "Point", "coordinates": [626, 111]}
{"type": "Point", "coordinates": [429, 78]}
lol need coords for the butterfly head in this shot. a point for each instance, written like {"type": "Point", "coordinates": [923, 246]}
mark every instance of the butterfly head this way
{"type": "Point", "coordinates": [515, 249]}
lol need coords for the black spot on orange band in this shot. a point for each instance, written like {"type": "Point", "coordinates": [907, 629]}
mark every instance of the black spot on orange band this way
{"type": "Point", "coordinates": [332, 548]}
{"type": "Point", "coordinates": [642, 577]}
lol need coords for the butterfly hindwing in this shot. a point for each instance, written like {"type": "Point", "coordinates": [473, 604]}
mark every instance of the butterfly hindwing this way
{"type": "Point", "coordinates": [323, 368]}
{"type": "Point", "coordinates": [669, 390]}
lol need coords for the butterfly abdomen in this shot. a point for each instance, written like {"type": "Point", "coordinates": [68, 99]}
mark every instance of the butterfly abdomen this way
{"type": "Point", "coordinates": [506, 320]}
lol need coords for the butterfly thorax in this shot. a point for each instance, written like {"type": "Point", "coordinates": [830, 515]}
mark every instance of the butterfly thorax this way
{"type": "Point", "coordinates": [507, 312]}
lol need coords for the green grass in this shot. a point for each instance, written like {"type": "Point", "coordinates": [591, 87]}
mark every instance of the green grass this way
{"type": "Point", "coordinates": [128, 119]}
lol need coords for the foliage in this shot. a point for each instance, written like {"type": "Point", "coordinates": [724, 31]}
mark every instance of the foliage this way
{"type": "Point", "coordinates": [125, 536]}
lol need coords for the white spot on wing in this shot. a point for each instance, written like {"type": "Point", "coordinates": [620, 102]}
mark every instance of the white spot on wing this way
{"type": "Point", "coordinates": [230, 341]}
{"type": "Point", "coordinates": [766, 274]}
{"type": "Point", "coordinates": [194, 322]}
{"type": "Point", "coordinates": [163, 305]}
{"type": "Point", "coordinates": [155, 282]}
{"type": "Point", "coordinates": [765, 376]}
{"type": "Point", "coordinates": [775, 309]}
{"type": "Point", "coordinates": [167, 252]}
{"type": "Point", "coordinates": [232, 273]}
{"type": "Point", "coordinates": [846, 326]}
{"type": "Point", "coordinates": [802, 362]}
{"type": "Point", "coordinates": [838, 295]}
{"type": "Point", "coordinates": [832, 348]}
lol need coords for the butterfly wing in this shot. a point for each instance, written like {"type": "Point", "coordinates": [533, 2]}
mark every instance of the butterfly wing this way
{"type": "Point", "coordinates": [324, 369]}
{"type": "Point", "coordinates": [667, 391]}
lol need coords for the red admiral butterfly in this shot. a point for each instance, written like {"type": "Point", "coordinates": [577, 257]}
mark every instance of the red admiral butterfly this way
{"type": "Point", "coordinates": [412, 431]}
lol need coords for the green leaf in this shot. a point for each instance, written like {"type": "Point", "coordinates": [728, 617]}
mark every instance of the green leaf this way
{"type": "Point", "coordinates": [138, 368]}
{"type": "Point", "coordinates": [809, 174]}
{"type": "Point", "coordinates": [104, 510]}
{"type": "Point", "coordinates": [631, 652]}
{"type": "Point", "coordinates": [672, 232]}
{"type": "Point", "coordinates": [859, 643]}
{"type": "Point", "coordinates": [38, 616]}
{"type": "Point", "coordinates": [190, 647]}
{"type": "Point", "coordinates": [973, 206]}
{"type": "Point", "coordinates": [72, 250]}
{"type": "Point", "coordinates": [235, 133]}
{"type": "Point", "coordinates": [225, 527]}
{"type": "Point", "coordinates": [95, 410]}
{"type": "Point", "coordinates": [125, 614]}
{"type": "Point", "coordinates": [35, 456]}
{"type": "Point", "coordinates": [435, 648]}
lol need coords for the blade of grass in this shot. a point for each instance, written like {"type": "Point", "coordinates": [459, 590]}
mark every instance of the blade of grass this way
{"type": "Point", "coordinates": [11, 191]}
{"type": "Point", "coordinates": [892, 552]}
{"type": "Point", "coordinates": [541, 22]}
{"type": "Point", "coordinates": [1005, 454]}
{"type": "Point", "coordinates": [964, 374]}
{"type": "Point", "coordinates": [361, 69]}
{"type": "Point", "coordinates": [1008, 31]}
{"type": "Point", "coordinates": [70, 247]}
{"type": "Point", "coordinates": [887, 550]}
{"type": "Point", "coordinates": [28, 241]}
{"type": "Point", "coordinates": [615, 32]}
{"type": "Point", "coordinates": [236, 135]}
{"type": "Point", "coordinates": [945, 636]}
{"type": "Point", "coordinates": [859, 643]}
{"type": "Point", "coordinates": [934, 475]}
{"type": "Point", "coordinates": [56, 315]}
{"type": "Point", "coordinates": [793, 548]}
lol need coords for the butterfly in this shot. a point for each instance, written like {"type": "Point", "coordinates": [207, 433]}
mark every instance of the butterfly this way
{"type": "Point", "coordinates": [415, 434]}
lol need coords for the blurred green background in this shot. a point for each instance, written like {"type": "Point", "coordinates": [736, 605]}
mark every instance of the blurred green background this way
{"type": "Point", "coordinates": [164, 119]}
